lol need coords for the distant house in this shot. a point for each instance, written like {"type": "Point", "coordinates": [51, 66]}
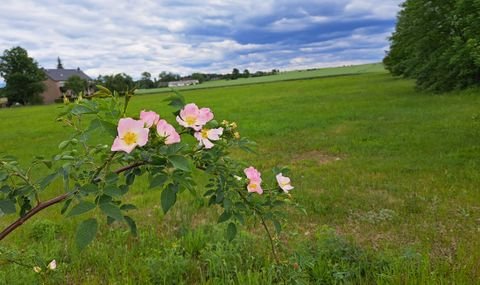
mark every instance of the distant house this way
{"type": "Point", "coordinates": [182, 83]}
{"type": "Point", "coordinates": [56, 80]}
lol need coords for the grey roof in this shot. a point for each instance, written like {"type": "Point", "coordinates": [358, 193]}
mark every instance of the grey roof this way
{"type": "Point", "coordinates": [64, 74]}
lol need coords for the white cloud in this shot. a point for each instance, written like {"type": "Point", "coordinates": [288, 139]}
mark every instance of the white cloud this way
{"type": "Point", "coordinates": [110, 36]}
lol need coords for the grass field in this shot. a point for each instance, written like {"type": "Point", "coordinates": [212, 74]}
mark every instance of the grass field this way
{"type": "Point", "coordinates": [389, 178]}
{"type": "Point", "coordinates": [283, 76]}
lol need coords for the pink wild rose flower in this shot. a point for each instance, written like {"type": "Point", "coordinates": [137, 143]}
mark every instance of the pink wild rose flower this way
{"type": "Point", "coordinates": [205, 136]}
{"type": "Point", "coordinates": [168, 132]}
{"type": "Point", "coordinates": [150, 118]}
{"type": "Point", "coordinates": [254, 177]}
{"type": "Point", "coordinates": [284, 182]}
{"type": "Point", "coordinates": [193, 117]}
{"type": "Point", "coordinates": [130, 134]}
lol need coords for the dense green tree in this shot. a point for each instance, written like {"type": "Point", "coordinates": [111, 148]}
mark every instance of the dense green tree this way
{"type": "Point", "coordinates": [437, 43]}
{"type": "Point", "coordinates": [119, 82]}
{"type": "Point", "coordinates": [23, 78]}
{"type": "Point", "coordinates": [235, 73]}
{"type": "Point", "coordinates": [168, 76]}
{"type": "Point", "coordinates": [246, 73]}
{"type": "Point", "coordinates": [76, 84]}
{"type": "Point", "coordinates": [145, 81]}
{"type": "Point", "coordinates": [199, 76]}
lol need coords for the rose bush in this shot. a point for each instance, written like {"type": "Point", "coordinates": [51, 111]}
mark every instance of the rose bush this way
{"type": "Point", "coordinates": [98, 176]}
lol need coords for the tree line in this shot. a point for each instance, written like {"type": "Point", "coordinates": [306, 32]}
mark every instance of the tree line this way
{"type": "Point", "coordinates": [437, 43]}
{"type": "Point", "coordinates": [25, 79]}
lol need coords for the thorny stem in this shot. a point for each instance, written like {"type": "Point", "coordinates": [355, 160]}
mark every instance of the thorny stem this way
{"type": "Point", "coordinates": [260, 214]}
{"type": "Point", "coordinates": [43, 205]}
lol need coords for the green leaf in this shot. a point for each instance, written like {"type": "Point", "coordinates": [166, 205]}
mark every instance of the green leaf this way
{"type": "Point", "coordinates": [112, 190]}
{"type": "Point", "coordinates": [131, 223]}
{"type": "Point", "coordinates": [63, 144]}
{"type": "Point", "coordinates": [86, 232]}
{"type": "Point", "coordinates": [231, 231]}
{"type": "Point", "coordinates": [180, 162]}
{"type": "Point", "coordinates": [169, 197]}
{"type": "Point", "coordinates": [3, 175]}
{"type": "Point", "coordinates": [80, 208]}
{"type": "Point", "coordinates": [127, 207]}
{"type": "Point", "coordinates": [112, 210]}
{"type": "Point", "coordinates": [158, 180]}
{"type": "Point", "coordinates": [5, 189]}
{"type": "Point", "coordinates": [65, 206]}
{"type": "Point", "coordinates": [89, 188]}
{"type": "Point", "coordinates": [7, 207]}
{"type": "Point", "coordinates": [278, 226]}
{"type": "Point", "coordinates": [47, 180]}
{"type": "Point", "coordinates": [81, 109]}
{"type": "Point", "coordinates": [105, 126]}
{"type": "Point", "coordinates": [225, 216]}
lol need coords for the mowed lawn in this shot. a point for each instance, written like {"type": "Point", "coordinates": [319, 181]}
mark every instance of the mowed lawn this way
{"type": "Point", "coordinates": [388, 176]}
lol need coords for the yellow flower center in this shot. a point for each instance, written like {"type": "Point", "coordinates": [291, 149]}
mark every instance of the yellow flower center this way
{"type": "Point", "coordinates": [130, 138]}
{"type": "Point", "coordinates": [190, 120]}
{"type": "Point", "coordinates": [253, 186]}
{"type": "Point", "coordinates": [204, 133]}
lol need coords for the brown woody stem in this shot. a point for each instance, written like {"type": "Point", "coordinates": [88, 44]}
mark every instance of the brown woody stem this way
{"type": "Point", "coordinates": [43, 205]}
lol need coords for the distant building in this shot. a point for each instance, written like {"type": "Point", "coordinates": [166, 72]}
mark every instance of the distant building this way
{"type": "Point", "coordinates": [56, 80]}
{"type": "Point", "coordinates": [182, 83]}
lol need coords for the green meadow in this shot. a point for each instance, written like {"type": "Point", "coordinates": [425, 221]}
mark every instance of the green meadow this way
{"type": "Point", "coordinates": [282, 76]}
{"type": "Point", "coordinates": [389, 178]}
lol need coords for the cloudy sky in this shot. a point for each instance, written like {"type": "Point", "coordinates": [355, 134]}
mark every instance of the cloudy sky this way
{"type": "Point", "coordinates": [181, 36]}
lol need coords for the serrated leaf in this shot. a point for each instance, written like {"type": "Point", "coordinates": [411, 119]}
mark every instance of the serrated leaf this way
{"type": "Point", "coordinates": [112, 210]}
{"type": "Point", "coordinates": [89, 188]}
{"type": "Point", "coordinates": [80, 208]}
{"type": "Point", "coordinates": [169, 197]}
{"type": "Point", "coordinates": [131, 223]}
{"type": "Point", "coordinates": [180, 162]}
{"type": "Point", "coordinates": [225, 216]}
{"type": "Point", "coordinates": [81, 109]}
{"type": "Point", "coordinates": [48, 179]}
{"type": "Point", "coordinates": [86, 232]}
{"type": "Point", "coordinates": [158, 180]}
{"type": "Point", "coordinates": [112, 190]}
{"type": "Point", "coordinates": [231, 231]}
{"type": "Point", "coordinates": [7, 207]}
{"type": "Point", "coordinates": [104, 126]}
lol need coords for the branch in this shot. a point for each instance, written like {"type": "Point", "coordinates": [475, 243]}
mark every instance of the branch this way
{"type": "Point", "coordinates": [263, 223]}
{"type": "Point", "coordinates": [43, 205]}
{"type": "Point", "coordinates": [33, 212]}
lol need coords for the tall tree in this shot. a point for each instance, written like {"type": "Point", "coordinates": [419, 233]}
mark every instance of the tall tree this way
{"type": "Point", "coordinates": [59, 63]}
{"type": "Point", "coordinates": [437, 43]}
{"type": "Point", "coordinates": [23, 78]}
{"type": "Point", "coordinates": [76, 84]}
{"type": "Point", "coordinates": [235, 73]}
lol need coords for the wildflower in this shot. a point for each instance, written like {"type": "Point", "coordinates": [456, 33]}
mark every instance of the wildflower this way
{"type": "Point", "coordinates": [150, 118]}
{"type": "Point", "coordinates": [130, 134]}
{"type": "Point", "coordinates": [37, 269]}
{"type": "Point", "coordinates": [233, 125]}
{"type": "Point", "coordinates": [284, 182]}
{"type": "Point", "coordinates": [254, 177]}
{"type": "Point", "coordinates": [193, 117]}
{"type": "Point", "coordinates": [205, 136]}
{"type": "Point", "coordinates": [168, 132]}
{"type": "Point", "coordinates": [52, 265]}
{"type": "Point", "coordinates": [236, 135]}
